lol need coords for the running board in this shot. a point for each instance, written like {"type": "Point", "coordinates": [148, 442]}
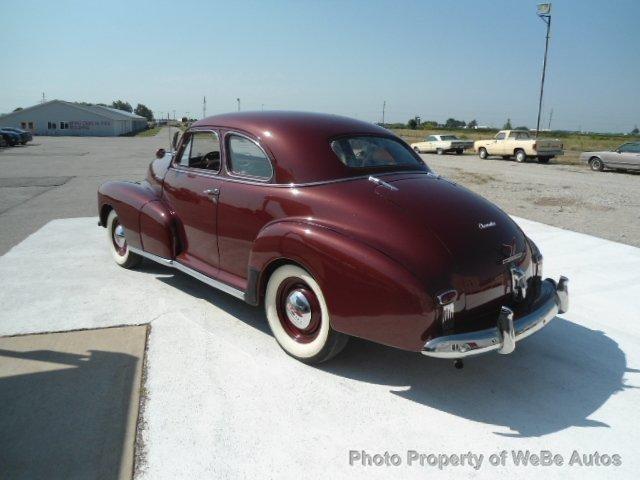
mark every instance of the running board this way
{"type": "Point", "coordinates": [191, 272]}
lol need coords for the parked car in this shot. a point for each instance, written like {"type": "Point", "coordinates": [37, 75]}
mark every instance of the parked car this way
{"type": "Point", "coordinates": [24, 135]}
{"type": "Point", "coordinates": [519, 144]}
{"type": "Point", "coordinates": [625, 157]}
{"type": "Point", "coordinates": [442, 144]}
{"type": "Point", "coordinates": [339, 229]}
{"type": "Point", "coordinates": [12, 138]}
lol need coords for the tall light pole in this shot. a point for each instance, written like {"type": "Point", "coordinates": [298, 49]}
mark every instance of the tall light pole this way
{"type": "Point", "coordinates": [384, 107]}
{"type": "Point", "coordinates": [544, 12]}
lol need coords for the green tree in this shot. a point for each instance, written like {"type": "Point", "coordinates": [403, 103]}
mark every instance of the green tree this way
{"type": "Point", "coordinates": [20, 108]}
{"type": "Point", "coordinates": [635, 130]}
{"type": "Point", "coordinates": [144, 111]}
{"type": "Point", "coordinates": [473, 123]}
{"type": "Point", "coordinates": [521, 128]}
{"type": "Point", "coordinates": [120, 105]}
{"type": "Point", "coordinates": [453, 123]}
{"type": "Point", "coordinates": [507, 126]}
{"type": "Point", "coordinates": [412, 123]}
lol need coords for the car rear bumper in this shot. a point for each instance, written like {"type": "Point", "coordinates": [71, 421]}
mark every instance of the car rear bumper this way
{"type": "Point", "coordinates": [550, 153]}
{"type": "Point", "coordinates": [553, 299]}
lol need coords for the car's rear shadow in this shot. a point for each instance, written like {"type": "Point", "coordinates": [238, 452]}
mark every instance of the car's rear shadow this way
{"type": "Point", "coordinates": [554, 380]}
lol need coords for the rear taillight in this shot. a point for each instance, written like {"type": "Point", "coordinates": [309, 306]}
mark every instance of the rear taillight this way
{"type": "Point", "coordinates": [447, 307]}
{"type": "Point", "coordinates": [535, 146]}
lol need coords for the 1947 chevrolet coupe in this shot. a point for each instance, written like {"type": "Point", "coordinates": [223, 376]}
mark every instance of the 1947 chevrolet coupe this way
{"type": "Point", "coordinates": [340, 229]}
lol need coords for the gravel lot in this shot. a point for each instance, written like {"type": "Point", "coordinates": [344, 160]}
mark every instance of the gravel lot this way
{"type": "Point", "coordinates": [57, 177]}
{"type": "Point", "coordinates": [604, 204]}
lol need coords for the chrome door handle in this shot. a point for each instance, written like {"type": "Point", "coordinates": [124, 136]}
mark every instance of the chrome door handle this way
{"type": "Point", "coordinates": [213, 192]}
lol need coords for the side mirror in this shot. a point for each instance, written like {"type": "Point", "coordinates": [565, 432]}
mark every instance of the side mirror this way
{"type": "Point", "coordinates": [174, 142]}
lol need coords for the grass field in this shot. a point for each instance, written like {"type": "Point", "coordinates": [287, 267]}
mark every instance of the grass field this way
{"type": "Point", "coordinates": [574, 143]}
{"type": "Point", "coordinates": [152, 132]}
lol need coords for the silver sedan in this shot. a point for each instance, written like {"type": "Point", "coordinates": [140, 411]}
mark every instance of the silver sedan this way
{"type": "Point", "coordinates": [626, 157]}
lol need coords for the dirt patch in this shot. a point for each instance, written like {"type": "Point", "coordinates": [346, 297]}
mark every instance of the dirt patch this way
{"type": "Point", "coordinates": [552, 201]}
{"type": "Point", "coordinates": [473, 177]}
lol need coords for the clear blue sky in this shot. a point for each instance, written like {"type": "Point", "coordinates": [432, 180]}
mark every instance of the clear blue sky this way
{"type": "Point", "coordinates": [466, 59]}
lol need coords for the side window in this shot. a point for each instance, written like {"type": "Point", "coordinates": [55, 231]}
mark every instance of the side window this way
{"type": "Point", "coordinates": [500, 136]}
{"type": "Point", "coordinates": [635, 148]}
{"type": "Point", "coordinates": [204, 151]}
{"type": "Point", "coordinates": [625, 147]}
{"type": "Point", "coordinates": [184, 159]}
{"type": "Point", "coordinates": [431, 138]}
{"type": "Point", "coordinates": [247, 159]}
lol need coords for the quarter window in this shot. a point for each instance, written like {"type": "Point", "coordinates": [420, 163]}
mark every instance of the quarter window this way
{"type": "Point", "coordinates": [248, 159]}
{"type": "Point", "coordinates": [202, 151]}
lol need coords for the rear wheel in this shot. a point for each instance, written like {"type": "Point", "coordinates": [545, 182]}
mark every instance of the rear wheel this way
{"type": "Point", "coordinates": [482, 153]}
{"type": "Point", "coordinates": [120, 251]}
{"type": "Point", "coordinates": [596, 164]}
{"type": "Point", "coordinates": [520, 156]}
{"type": "Point", "coordinates": [439, 151]}
{"type": "Point", "coordinates": [299, 318]}
{"type": "Point", "coordinates": [459, 151]}
{"type": "Point", "coordinates": [544, 159]}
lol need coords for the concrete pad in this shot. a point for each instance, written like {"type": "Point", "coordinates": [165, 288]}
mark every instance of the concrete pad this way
{"type": "Point", "coordinates": [225, 402]}
{"type": "Point", "coordinates": [69, 403]}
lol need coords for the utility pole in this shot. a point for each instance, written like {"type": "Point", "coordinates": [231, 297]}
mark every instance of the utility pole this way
{"type": "Point", "coordinates": [544, 12]}
{"type": "Point", "coordinates": [204, 107]}
{"type": "Point", "coordinates": [550, 117]}
{"type": "Point", "coordinates": [43, 100]}
{"type": "Point", "coordinates": [262, 107]}
{"type": "Point", "coordinates": [384, 106]}
{"type": "Point", "coordinates": [238, 100]}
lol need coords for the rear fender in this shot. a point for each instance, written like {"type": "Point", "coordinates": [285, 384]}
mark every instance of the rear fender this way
{"type": "Point", "coordinates": [367, 293]}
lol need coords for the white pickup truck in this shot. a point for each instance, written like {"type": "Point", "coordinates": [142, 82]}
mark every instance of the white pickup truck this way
{"type": "Point", "coordinates": [519, 144]}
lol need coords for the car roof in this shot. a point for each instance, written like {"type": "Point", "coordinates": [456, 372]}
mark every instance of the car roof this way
{"type": "Point", "coordinates": [299, 142]}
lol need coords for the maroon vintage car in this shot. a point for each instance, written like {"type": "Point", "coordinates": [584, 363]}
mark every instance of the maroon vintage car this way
{"type": "Point", "coordinates": [339, 229]}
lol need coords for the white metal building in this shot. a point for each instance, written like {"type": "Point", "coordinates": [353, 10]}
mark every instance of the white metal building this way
{"type": "Point", "coordinates": [57, 117]}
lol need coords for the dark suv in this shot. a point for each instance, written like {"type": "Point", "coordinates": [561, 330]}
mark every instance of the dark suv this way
{"type": "Point", "coordinates": [24, 135]}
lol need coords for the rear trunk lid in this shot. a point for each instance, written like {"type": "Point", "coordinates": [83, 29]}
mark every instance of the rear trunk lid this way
{"type": "Point", "coordinates": [482, 240]}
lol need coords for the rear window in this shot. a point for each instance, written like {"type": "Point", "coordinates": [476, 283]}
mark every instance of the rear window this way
{"type": "Point", "coordinates": [374, 152]}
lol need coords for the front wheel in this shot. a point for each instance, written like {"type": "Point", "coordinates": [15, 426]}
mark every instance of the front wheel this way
{"type": "Point", "coordinates": [482, 153]}
{"type": "Point", "coordinates": [299, 318]}
{"type": "Point", "coordinates": [417, 150]}
{"type": "Point", "coordinates": [120, 251]}
{"type": "Point", "coordinates": [596, 164]}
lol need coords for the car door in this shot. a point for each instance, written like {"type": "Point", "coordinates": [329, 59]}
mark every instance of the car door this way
{"type": "Point", "coordinates": [191, 188]}
{"type": "Point", "coordinates": [626, 157]}
{"type": "Point", "coordinates": [430, 143]}
{"type": "Point", "coordinates": [498, 147]}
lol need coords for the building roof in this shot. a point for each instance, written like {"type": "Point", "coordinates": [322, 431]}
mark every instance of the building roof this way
{"type": "Point", "coordinates": [107, 112]}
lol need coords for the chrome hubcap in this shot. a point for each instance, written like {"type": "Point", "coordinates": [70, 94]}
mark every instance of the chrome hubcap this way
{"type": "Point", "coordinates": [118, 236]}
{"type": "Point", "coordinates": [298, 309]}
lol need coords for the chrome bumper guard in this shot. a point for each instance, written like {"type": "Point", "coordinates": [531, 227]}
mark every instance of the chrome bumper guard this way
{"type": "Point", "coordinates": [553, 299]}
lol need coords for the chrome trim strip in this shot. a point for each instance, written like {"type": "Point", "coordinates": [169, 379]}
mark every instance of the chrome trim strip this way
{"type": "Point", "coordinates": [191, 272]}
{"type": "Point", "coordinates": [554, 299]}
{"type": "Point", "coordinates": [205, 173]}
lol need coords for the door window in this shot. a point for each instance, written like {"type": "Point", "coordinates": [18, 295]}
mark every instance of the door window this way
{"type": "Point", "coordinates": [247, 159]}
{"type": "Point", "coordinates": [500, 136]}
{"type": "Point", "coordinates": [203, 151]}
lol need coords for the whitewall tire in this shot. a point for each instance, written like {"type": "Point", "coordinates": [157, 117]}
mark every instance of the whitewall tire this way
{"type": "Point", "coordinates": [298, 316]}
{"type": "Point", "coordinates": [120, 250]}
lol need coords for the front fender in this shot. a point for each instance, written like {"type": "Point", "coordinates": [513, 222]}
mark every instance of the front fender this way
{"type": "Point", "coordinates": [368, 294]}
{"type": "Point", "coordinates": [148, 222]}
